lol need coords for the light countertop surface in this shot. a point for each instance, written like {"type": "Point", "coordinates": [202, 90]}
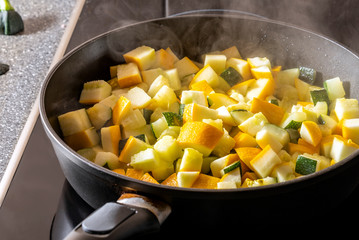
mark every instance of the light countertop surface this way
{"type": "Point", "coordinates": [30, 55]}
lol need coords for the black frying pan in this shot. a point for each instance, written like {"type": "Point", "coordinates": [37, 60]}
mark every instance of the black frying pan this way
{"type": "Point", "coordinates": [191, 36]}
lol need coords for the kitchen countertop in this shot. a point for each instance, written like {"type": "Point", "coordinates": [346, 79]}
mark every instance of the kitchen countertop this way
{"type": "Point", "coordinates": [30, 55]}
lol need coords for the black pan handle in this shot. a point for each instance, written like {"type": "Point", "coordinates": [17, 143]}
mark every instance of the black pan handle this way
{"type": "Point", "coordinates": [116, 221]}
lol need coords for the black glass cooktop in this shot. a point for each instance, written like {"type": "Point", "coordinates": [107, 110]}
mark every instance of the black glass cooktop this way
{"type": "Point", "coordinates": [40, 204]}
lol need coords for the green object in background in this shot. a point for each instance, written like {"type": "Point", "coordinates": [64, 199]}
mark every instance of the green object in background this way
{"type": "Point", "coordinates": [4, 68]}
{"type": "Point", "coordinates": [10, 20]}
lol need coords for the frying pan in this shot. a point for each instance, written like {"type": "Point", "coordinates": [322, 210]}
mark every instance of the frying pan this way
{"type": "Point", "coordinates": [192, 36]}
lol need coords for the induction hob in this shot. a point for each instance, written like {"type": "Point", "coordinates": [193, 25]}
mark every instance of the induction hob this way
{"type": "Point", "coordinates": [40, 204]}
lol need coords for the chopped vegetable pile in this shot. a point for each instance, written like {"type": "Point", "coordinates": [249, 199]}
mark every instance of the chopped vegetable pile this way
{"type": "Point", "coordinates": [224, 123]}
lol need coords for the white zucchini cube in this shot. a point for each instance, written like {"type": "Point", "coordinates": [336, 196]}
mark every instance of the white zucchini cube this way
{"type": "Point", "coordinates": [191, 161]}
{"type": "Point", "coordinates": [138, 97]}
{"type": "Point", "coordinates": [216, 61]}
{"type": "Point", "coordinates": [253, 124]}
{"type": "Point", "coordinates": [350, 129]}
{"type": "Point", "coordinates": [265, 161]}
{"type": "Point", "coordinates": [346, 108]}
{"type": "Point", "coordinates": [341, 149]}
{"type": "Point", "coordinates": [145, 160]}
{"type": "Point", "coordinates": [334, 88]}
{"type": "Point", "coordinates": [194, 97]}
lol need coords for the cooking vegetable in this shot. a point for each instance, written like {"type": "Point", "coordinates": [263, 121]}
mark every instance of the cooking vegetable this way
{"type": "Point", "coordinates": [224, 123]}
{"type": "Point", "coordinates": [94, 91]}
{"type": "Point", "coordinates": [10, 20]}
{"type": "Point", "coordinates": [307, 74]}
{"type": "Point", "coordinates": [231, 76]}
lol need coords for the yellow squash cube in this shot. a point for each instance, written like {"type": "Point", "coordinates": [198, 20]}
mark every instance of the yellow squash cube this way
{"type": "Point", "coordinates": [143, 57]}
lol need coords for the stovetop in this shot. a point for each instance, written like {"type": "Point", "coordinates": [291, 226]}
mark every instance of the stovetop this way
{"type": "Point", "coordinates": [40, 204]}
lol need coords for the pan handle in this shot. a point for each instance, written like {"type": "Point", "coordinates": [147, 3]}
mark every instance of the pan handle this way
{"type": "Point", "coordinates": [128, 217]}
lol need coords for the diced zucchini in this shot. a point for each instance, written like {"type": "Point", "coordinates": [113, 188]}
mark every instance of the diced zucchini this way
{"type": "Point", "coordinates": [342, 148]}
{"type": "Point", "coordinates": [191, 96]}
{"type": "Point", "coordinates": [186, 179]}
{"type": "Point", "coordinates": [168, 148]}
{"type": "Point", "coordinates": [253, 124]}
{"type": "Point", "coordinates": [264, 181]}
{"type": "Point", "coordinates": [225, 116]}
{"type": "Point", "coordinates": [293, 120]}
{"type": "Point", "coordinates": [191, 161]}
{"type": "Point", "coordinates": [95, 91]}
{"type": "Point", "coordinates": [128, 74]}
{"type": "Point", "coordinates": [241, 66]}
{"type": "Point", "coordinates": [145, 160]}
{"type": "Point", "coordinates": [307, 74]}
{"type": "Point", "coordinates": [143, 56]}
{"type": "Point", "coordinates": [334, 88]}
{"type": "Point", "coordinates": [123, 141]}
{"type": "Point", "coordinates": [319, 95]}
{"type": "Point", "coordinates": [185, 67]}
{"type": "Point", "coordinates": [110, 138]}
{"type": "Point", "coordinates": [306, 165]}
{"type": "Point", "coordinates": [231, 167]}
{"type": "Point", "coordinates": [231, 76]}
{"type": "Point", "coordinates": [218, 123]}
{"type": "Point", "coordinates": [346, 108]}
{"type": "Point", "coordinates": [159, 126]}
{"type": "Point", "coordinates": [157, 84]}
{"type": "Point", "coordinates": [272, 135]}
{"type": "Point", "coordinates": [173, 79]}
{"type": "Point", "coordinates": [89, 153]}
{"type": "Point", "coordinates": [265, 161]}
{"type": "Point", "coordinates": [99, 114]}
{"type": "Point", "coordinates": [148, 76]}
{"type": "Point", "coordinates": [138, 97]}
{"type": "Point", "coordinates": [206, 164]}
{"type": "Point", "coordinates": [162, 170]}
{"type": "Point", "coordinates": [283, 172]}
{"type": "Point", "coordinates": [107, 159]}
{"type": "Point", "coordinates": [293, 135]}
{"type": "Point", "coordinates": [133, 120]}
{"type": "Point", "coordinates": [172, 119]}
{"type": "Point", "coordinates": [240, 115]}
{"type": "Point", "coordinates": [74, 121]}
{"type": "Point", "coordinates": [224, 145]}
{"type": "Point", "coordinates": [302, 90]}
{"type": "Point", "coordinates": [261, 88]}
{"type": "Point", "coordinates": [216, 100]}
{"type": "Point", "coordinates": [217, 165]}
{"type": "Point", "coordinates": [259, 62]}
{"type": "Point", "coordinates": [226, 185]}
{"type": "Point", "coordinates": [133, 145]}
{"type": "Point", "coordinates": [216, 61]}
{"type": "Point", "coordinates": [350, 129]}
{"type": "Point", "coordinates": [110, 101]}
{"type": "Point", "coordinates": [287, 76]}
{"type": "Point", "coordinates": [327, 124]}
{"type": "Point", "coordinates": [84, 139]}
{"type": "Point", "coordinates": [208, 74]}
{"type": "Point", "coordinates": [262, 72]}
{"type": "Point", "coordinates": [232, 176]}
{"type": "Point", "coordinates": [165, 97]}
{"type": "Point", "coordinates": [321, 108]}
{"type": "Point", "coordinates": [147, 114]}
{"type": "Point", "coordinates": [172, 131]}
